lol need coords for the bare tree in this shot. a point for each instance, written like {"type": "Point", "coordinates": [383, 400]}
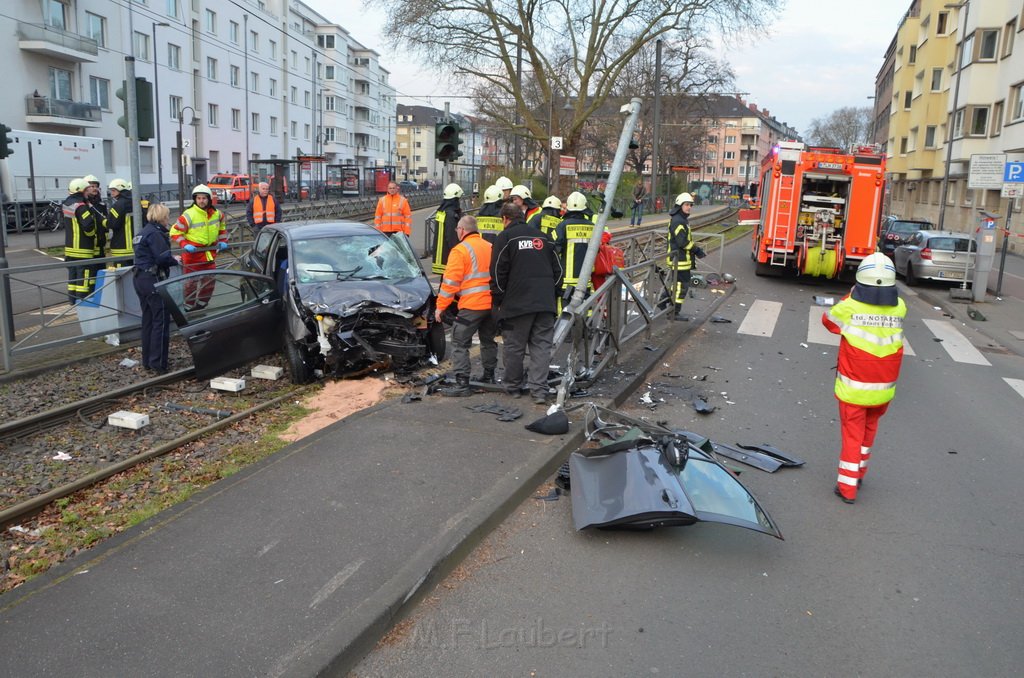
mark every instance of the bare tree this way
{"type": "Point", "coordinates": [841, 128]}
{"type": "Point", "coordinates": [521, 52]}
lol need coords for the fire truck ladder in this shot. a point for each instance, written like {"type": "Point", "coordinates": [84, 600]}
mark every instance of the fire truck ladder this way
{"type": "Point", "coordinates": [779, 245]}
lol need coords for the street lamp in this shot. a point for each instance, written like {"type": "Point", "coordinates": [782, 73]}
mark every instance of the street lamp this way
{"type": "Point", "coordinates": [181, 156]}
{"type": "Point", "coordinates": [551, 135]}
{"type": "Point", "coordinates": [952, 120]}
{"type": "Point", "coordinates": [156, 91]}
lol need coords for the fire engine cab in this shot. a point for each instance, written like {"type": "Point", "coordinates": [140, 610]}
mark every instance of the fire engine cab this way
{"type": "Point", "coordinates": [820, 209]}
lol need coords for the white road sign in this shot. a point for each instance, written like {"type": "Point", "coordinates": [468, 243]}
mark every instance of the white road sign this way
{"type": "Point", "coordinates": [986, 171]}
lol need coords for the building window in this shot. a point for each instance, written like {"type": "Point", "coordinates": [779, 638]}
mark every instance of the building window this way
{"type": "Point", "coordinates": [729, 155]}
{"type": "Point", "coordinates": [325, 41]}
{"type": "Point", "coordinates": [710, 169]}
{"type": "Point", "coordinates": [254, 81]}
{"type": "Point", "coordinates": [215, 161]}
{"type": "Point", "coordinates": [108, 155]}
{"type": "Point", "coordinates": [979, 121]}
{"type": "Point", "coordinates": [936, 79]}
{"type": "Point", "coordinates": [295, 60]}
{"type": "Point", "coordinates": [1017, 103]}
{"type": "Point", "coordinates": [233, 32]}
{"type": "Point", "coordinates": [997, 118]}
{"type": "Point", "coordinates": [236, 162]}
{"type": "Point", "coordinates": [929, 136]}
{"type": "Point", "coordinates": [329, 72]}
{"type": "Point", "coordinates": [305, 132]}
{"type": "Point", "coordinates": [255, 126]}
{"type": "Point", "coordinates": [912, 57]}
{"type": "Point", "coordinates": [172, 8]}
{"type": "Point", "coordinates": [958, 124]}
{"type": "Point", "coordinates": [908, 98]}
{"type": "Point", "coordinates": [294, 95]}
{"type": "Point", "coordinates": [329, 104]}
{"type": "Point", "coordinates": [211, 21]}
{"type": "Point", "coordinates": [96, 28]}
{"type": "Point", "coordinates": [212, 114]}
{"type": "Point", "coordinates": [146, 159]}
{"type": "Point", "coordinates": [60, 84]}
{"type": "Point", "coordinates": [211, 69]}
{"type": "Point", "coordinates": [141, 46]}
{"type": "Point", "coordinates": [254, 42]}
{"type": "Point", "coordinates": [273, 49]}
{"type": "Point", "coordinates": [295, 129]}
{"type": "Point", "coordinates": [234, 73]}
{"type": "Point", "coordinates": [99, 91]}
{"type": "Point", "coordinates": [236, 118]}
{"type": "Point", "coordinates": [1008, 34]}
{"type": "Point", "coordinates": [307, 66]}
{"type": "Point", "coordinates": [273, 87]}
{"type": "Point", "coordinates": [967, 51]}
{"type": "Point", "coordinates": [942, 23]}
{"type": "Point", "coordinates": [730, 139]}
{"type": "Point", "coordinates": [176, 105]}
{"type": "Point", "coordinates": [305, 98]}
{"type": "Point", "coordinates": [988, 45]}
{"type": "Point", "coordinates": [273, 126]}
{"type": "Point", "coordinates": [727, 171]}
{"type": "Point", "coordinates": [55, 14]}
{"type": "Point", "coordinates": [173, 57]}
{"type": "Point", "coordinates": [903, 145]}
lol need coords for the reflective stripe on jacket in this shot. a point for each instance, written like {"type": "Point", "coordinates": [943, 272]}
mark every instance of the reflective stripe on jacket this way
{"type": "Point", "coordinates": [680, 244]}
{"type": "Point", "coordinates": [393, 214]}
{"type": "Point", "coordinates": [81, 229]}
{"type": "Point", "coordinates": [264, 212]}
{"type": "Point", "coordinates": [573, 239]}
{"type": "Point", "coordinates": [870, 351]}
{"type": "Point", "coordinates": [201, 228]}
{"type": "Point", "coordinates": [468, 275]}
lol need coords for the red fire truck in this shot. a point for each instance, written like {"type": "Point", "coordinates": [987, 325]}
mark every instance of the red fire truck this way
{"type": "Point", "coordinates": [820, 209]}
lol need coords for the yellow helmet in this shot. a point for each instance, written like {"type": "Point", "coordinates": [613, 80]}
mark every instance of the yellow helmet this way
{"type": "Point", "coordinates": [118, 185]}
{"type": "Point", "coordinates": [77, 185]}
{"type": "Point", "coordinates": [553, 201]}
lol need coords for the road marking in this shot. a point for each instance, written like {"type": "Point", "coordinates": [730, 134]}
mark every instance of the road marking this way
{"type": "Point", "coordinates": [817, 334]}
{"type": "Point", "coordinates": [1016, 384]}
{"type": "Point", "coordinates": [761, 318]}
{"type": "Point", "coordinates": [955, 343]}
{"type": "Point", "coordinates": [336, 581]}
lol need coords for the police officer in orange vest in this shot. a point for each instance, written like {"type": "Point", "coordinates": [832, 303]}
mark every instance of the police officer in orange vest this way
{"type": "Point", "coordinates": [263, 209]}
{"type": "Point", "coordinates": [468, 276]}
{"type": "Point", "coordinates": [870, 323]}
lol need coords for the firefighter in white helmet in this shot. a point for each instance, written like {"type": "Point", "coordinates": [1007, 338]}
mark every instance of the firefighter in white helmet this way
{"type": "Point", "coordinates": [504, 185]}
{"type": "Point", "coordinates": [447, 217]}
{"type": "Point", "coordinates": [549, 217]}
{"type": "Point", "coordinates": [869, 321]}
{"type": "Point", "coordinates": [681, 251]}
{"type": "Point", "coordinates": [82, 240]}
{"type": "Point", "coordinates": [572, 239]}
{"type": "Point", "coordinates": [119, 220]}
{"type": "Point", "coordinates": [520, 195]}
{"type": "Point", "coordinates": [488, 219]}
{"type": "Point", "coordinates": [200, 233]}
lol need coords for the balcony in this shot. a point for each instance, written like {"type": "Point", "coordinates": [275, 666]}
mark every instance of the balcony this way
{"type": "Point", "coordinates": [47, 111]}
{"type": "Point", "coordinates": [56, 43]}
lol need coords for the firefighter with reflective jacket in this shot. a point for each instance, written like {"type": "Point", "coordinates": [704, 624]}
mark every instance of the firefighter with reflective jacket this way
{"type": "Point", "coordinates": [119, 220]}
{"type": "Point", "coordinates": [468, 277]}
{"type": "Point", "coordinates": [393, 213]}
{"type": "Point", "coordinates": [870, 323]}
{"type": "Point", "coordinates": [82, 229]}
{"type": "Point", "coordinates": [572, 237]}
{"type": "Point", "coordinates": [504, 185]}
{"type": "Point", "coordinates": [488, 219]}
{"type": "Point", "coordinates": [520, 196]}
{"type": "Point", "coordinates": [681, 251]}
{"type": "Point", "coordinates": [548, 218]}
{"type": "Point", "coordinates": [447, 217]}
{"type": "Point", "coordinates": [200, 226]}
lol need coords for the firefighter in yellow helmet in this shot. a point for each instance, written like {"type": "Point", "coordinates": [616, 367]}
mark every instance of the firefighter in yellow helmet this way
{"type": "Point", "coordinates": [447, 217]}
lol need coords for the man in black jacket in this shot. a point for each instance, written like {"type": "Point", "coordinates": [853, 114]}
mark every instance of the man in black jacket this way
{"type": "Point", "coordinates": [525, 278]}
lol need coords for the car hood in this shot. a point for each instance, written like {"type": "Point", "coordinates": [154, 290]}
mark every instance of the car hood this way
{"type": "Point", "coordinates": [353, 295]}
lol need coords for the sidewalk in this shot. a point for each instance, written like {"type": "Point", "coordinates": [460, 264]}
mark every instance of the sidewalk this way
{"type": "Point", "coordinates": [298, 566]}
{"type": "Point", "coordinates": [1001, 319]}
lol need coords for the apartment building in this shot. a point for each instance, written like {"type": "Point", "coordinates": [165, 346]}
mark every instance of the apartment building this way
{"type": "Point", "coordinates": [241, 80]}
{"type": "Point", "coordinates": [957, 76]}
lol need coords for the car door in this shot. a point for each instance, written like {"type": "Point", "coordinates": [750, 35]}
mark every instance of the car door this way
{"type": "Point", "coordinates": [241, 322]}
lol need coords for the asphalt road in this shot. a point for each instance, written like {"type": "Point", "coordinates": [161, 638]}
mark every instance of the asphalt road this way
{"type": "Point", "coordinates": [922, 577]}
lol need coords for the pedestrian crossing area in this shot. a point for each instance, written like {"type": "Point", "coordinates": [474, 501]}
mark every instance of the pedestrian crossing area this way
{"type": "Point", "coordinates": [762, 318]}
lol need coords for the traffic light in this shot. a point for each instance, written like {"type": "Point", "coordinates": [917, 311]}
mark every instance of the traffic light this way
{"type": "Point", "coordinates": [5, 142]}
{"type": "Point", "coordinates": [446, 141]}
{"type": "Point", "coordinates": [143, 108]}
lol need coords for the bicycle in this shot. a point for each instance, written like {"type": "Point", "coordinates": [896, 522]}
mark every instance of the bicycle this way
{"type": "Point", "coordinates": [51, 218]}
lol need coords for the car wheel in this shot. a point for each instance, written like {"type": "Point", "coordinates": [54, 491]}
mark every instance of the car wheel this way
{"type": "Point", "coordinates": [911, 278]}
{"type": "Point", "coordinates": [436, 340]}
{"type": "Point", "coordinates": [298, 368]}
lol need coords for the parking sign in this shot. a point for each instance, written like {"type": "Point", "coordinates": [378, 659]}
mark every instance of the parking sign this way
{"type": "Point", "coordinates": [1013, 173]}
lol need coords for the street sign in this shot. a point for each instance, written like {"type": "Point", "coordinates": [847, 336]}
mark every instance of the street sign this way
{"type": "Point", "coordinates": [1013, 173]}
{"type": "Point", "coordinates": [986, 171]}
{"type": "Point", "coordinates": [567, 165]}
{"type": "Point", "coordinates": [556, 143]}
{"type": "Point", "coordinates": [1012, 191]}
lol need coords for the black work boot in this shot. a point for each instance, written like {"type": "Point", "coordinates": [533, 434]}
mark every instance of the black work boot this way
{"type": "Point", "coordinates": [460, 389]}
{"type": "Point", "coordinates": [487, 378]}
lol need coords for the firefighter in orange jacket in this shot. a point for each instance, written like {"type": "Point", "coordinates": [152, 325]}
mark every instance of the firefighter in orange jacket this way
{"type": "Point", "coordinates": [468, 276]}
{"type": "Point", "coordinates": [393, 212]}
{"type": "Point", "coordinates": [200, 226]}
{"type": "Point", "coordinates": [870, 322]}
{"type": "Point", "coordinates": [263, 209]}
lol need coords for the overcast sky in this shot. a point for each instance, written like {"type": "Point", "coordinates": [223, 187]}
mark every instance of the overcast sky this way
{"type": "Point", "coordinates": [819, 56]}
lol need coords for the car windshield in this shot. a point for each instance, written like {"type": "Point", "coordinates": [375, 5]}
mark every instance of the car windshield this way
{"type": "Point", "coordinates": [353, 257]}
{"type": "Point", "coordinates": [908, 227]}
{"type": "Point", "coordinates": [951, 244]}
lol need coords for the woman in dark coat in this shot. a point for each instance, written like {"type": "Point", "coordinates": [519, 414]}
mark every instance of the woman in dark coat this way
{"type": "Point", "coordinates": [153, 260]}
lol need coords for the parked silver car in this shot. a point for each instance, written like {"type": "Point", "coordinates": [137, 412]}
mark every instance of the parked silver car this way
{"type": "Point", "coordinates": [936, 255]}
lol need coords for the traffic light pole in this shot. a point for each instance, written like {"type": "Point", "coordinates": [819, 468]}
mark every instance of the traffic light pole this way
{"type": "Point", "coordinates": [133, 140]}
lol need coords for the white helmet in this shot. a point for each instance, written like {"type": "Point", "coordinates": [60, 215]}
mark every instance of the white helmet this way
{"type": "Point", "coordinates": [118, 185]}
{"type": "Point", "coordinates": [77, 185]}
{"type": "Point", "coordinates": [876, 270]}
{"type": "Point", "coordinates": [576, 202]}
{"type": "Point", "coordinates": [553, 201]}
{"type": "Point", "coordinates": [452, 191]}
{"type": "Point", "coordinates": [503, 184]}
{"type": "Point", "coordinates": [204, 189]}
{"type": "Point", "coordinates": [521, 191]}
{"type": "Point", "coordinates": [684, 197]}
{"type": "Point", "coordinates": [91, 179]}
{"type": "Point", "coordinates": [492, 194]}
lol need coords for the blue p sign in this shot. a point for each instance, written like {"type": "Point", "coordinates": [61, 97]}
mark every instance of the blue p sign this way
{"type": "Point", "coordinates": [1014, 173]}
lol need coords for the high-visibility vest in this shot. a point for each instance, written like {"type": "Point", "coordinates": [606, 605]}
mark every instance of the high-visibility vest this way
{"type": "Point", "coordinates": [489, 227]}
{"type": "Point", "coordinates": [81, 229]}
{"type": "Point", "coordinates": [548, 224]}
{"type": "Point", "coordinates": [198, 227]}
{"type": "Point", "coordinates": [120, 222]}
{"type": "Point", "coordinates": [467, 275]}
{"type": "Point", "coordinates": [264, 212]}
{"type": "Point", "coordinates": [679, 259]}
{"type": "Point", "coordinates": [578, 233]}
{"type": "Point", "coordinates": [393, 214]}
{"type": "Point", "coordinates": [870, 351]}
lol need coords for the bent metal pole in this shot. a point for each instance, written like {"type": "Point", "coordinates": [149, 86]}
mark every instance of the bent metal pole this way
{"type": "Point", "coordinates": [565, 322]}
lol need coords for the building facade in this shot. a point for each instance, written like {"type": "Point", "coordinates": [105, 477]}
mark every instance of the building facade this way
{"type": "Point", "coordinates": [242, 80]}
